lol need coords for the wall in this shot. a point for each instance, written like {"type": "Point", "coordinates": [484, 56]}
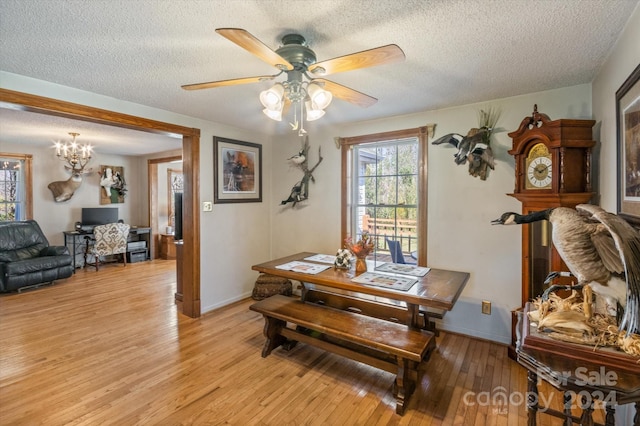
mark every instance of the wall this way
{"type": "Point", "coordinates": [233, 236]}
{"type": "Point", "coordinates": [620, 64]}
{"type": "Point", "coordinates": [460, 207]}
{"type": "Point", "coordinates": [54, 217]}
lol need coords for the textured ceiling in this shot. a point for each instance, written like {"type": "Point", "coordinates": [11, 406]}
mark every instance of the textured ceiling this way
{"type": "Point", "coordinates": [457, 52]}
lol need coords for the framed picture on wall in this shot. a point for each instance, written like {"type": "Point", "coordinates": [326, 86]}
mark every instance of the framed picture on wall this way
{"type": "Point", "coordinates": [628, 136]}
{"type": "Point", "coordinates": [237, 174]}
{"type": "Point", "coordinates": [113, 186]}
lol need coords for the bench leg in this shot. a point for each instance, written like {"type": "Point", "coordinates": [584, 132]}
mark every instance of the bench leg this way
{"type": "Point", "coordinates": [271, 332]}
{"type": "Point", "coordinates": [404, 385]}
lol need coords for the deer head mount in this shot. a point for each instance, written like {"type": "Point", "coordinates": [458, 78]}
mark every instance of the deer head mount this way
{"type": "Point", "coordinates": [77, 157]}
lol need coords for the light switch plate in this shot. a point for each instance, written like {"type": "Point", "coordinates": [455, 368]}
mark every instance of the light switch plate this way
{"type": "Point", "coordinates": [207, 206]}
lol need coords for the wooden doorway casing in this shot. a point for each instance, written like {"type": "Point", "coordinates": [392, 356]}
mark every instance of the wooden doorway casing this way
{"type": "Point", "coordinates": [190, 170]}
{"type": "Point", "coordinates": [154, 214]}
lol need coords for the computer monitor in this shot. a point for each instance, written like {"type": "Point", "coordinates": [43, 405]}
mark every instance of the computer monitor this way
{"type": "Point", "coordinates": [92, 216]}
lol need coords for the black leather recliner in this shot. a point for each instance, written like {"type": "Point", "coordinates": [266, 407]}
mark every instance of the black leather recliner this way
{"type": "Point", "coordinates": [27, 259]}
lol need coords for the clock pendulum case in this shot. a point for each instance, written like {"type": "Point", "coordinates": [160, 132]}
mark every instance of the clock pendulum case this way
{"type": "Point", "coordinates": [553, 169]}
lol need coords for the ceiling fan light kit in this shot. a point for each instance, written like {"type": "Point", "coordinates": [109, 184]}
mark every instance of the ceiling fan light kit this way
{"type": "Point", "coordinates": [296, 59]}
{"type": "Point", "coordinates": [315, 99]}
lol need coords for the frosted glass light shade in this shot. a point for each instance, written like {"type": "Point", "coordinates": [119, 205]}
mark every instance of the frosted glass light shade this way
{"type": "Point", "coordinates": [312, 114]}
{"type": "Point", "coordinates": [272, 98]}
{"type": "Point", "coordinates": [320, 98]}
{"type": "Point", "coordinates": [273, 114]}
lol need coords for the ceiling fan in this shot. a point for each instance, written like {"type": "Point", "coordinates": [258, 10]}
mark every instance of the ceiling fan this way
{"type": "Point", "coordinates": [298, 61]}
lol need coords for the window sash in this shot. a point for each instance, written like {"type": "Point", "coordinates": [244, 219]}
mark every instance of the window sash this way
{"type": "Point", "coordinates": [15, 187]}
{"type": "Point", "coordinates": [349, 197]}
{"type": "Point", "coordinates": [381, 209]}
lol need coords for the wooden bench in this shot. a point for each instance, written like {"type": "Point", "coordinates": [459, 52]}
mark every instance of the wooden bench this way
{"type": "Point", "coordinates": [382, 344]}
{"type": "Point", "coordinates": [389, 311]}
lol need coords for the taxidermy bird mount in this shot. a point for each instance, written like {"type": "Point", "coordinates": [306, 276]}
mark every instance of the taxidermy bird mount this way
{"type": "Point", "coordinates": [111, 180]}
{"type": "Point", "coordinates": [601, 249]}
{"type": "Point", "coordinates": [475, 147]}
{"type": "Point", "coordinates": [300, 190]}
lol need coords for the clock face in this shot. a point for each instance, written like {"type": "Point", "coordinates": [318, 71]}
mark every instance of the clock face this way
{"type": "Point", "coordinates": [539, 173]}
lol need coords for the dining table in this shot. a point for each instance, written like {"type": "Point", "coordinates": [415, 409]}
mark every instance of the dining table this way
{"type": "Point", "coordinates": [431, 296]}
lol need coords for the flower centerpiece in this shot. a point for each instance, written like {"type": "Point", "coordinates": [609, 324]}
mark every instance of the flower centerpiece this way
{"type": "Point", "coordinates": [360, 250]}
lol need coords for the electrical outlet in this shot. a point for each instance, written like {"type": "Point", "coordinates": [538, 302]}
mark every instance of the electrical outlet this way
{"type": "Point", "coordinates": [486, 307]}
{"type": "Point", "coordinates": [207, 206]}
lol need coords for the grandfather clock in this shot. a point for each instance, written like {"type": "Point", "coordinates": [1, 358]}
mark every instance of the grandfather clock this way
{"type": "Point", "coordinates": [553, 169]}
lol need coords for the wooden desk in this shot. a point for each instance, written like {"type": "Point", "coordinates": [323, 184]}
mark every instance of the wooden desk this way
{"type": "Point", "coordinates": [439, 290]}
{"type": "Point", "coordinates": [75, 241]}
{"type": "Point", "coordinates": [581, 373]}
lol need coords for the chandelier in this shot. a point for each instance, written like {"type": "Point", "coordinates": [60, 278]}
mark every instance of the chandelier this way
{"type": "Point", "coordinates": [308, 97]}
{"type": "Point", "coordinates": [77, 156]}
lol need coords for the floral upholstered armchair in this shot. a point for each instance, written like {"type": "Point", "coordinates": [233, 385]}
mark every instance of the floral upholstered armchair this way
{"type": "Point", "coordinates": [109, 239]}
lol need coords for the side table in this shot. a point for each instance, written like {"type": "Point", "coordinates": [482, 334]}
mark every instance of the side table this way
{"type": "Point", "coordinates": [167, 246]}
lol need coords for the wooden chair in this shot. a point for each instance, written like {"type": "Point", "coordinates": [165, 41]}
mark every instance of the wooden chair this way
{"type": "Point", "coordinates": [109, 239]}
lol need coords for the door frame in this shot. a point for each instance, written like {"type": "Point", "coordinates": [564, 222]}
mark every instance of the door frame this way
{"type": "Point", "coordinates": [154, 214]}
{"type": "Point", "coordinates": [190, 168]}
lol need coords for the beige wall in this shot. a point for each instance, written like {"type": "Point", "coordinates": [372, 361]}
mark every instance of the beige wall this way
{"type": "Point", "coordinates": [54, 218]}
{"type": "Point", "coordinates": [620, 64]}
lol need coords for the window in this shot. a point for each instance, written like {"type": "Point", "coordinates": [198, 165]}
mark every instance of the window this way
{"type": "Point", "coordinates": [384, 190]}
{"type": "Point", "coordinates": [15, 187]}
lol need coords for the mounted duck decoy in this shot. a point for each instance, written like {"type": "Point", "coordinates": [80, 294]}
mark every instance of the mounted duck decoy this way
{"type": "Point", "coordinates": [465, 144]}
{"type": "Point", "coordinates": [601, 249]}
{"type": "Point", "coordinates": [474, 148]}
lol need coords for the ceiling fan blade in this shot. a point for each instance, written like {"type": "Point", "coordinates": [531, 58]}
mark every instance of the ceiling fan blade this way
{"type": "Point", "coordinates": [232, 82]}
{"type": "Point", "coordinates": [346, 94]}
{"type": "Point", "coordinates": [367, 58]}
{"type": "Point", "coordinates": [248, 42]}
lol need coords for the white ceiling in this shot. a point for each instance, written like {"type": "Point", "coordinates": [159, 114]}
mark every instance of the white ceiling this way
{"type": "Point", "coordinates": [457, 52]}
{"type": "Point", "coordinates": [32, 128]}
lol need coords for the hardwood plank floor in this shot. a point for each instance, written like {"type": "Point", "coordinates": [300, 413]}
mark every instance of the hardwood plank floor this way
{"type": "Point", "coordinates": [109, 347]}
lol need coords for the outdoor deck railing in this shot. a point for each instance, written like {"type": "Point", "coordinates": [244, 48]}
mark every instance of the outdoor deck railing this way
{"type": "Point", "coordinates": [403, 230]}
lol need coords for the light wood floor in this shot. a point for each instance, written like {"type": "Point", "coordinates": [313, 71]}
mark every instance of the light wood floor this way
{"type": "Point", "coordinates": [109, 347]}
